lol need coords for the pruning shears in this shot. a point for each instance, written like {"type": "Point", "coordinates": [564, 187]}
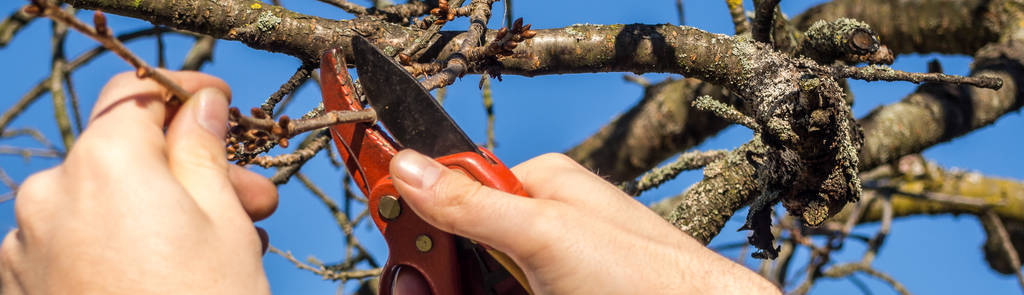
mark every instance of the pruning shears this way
{"type": "Point", "coordinates": [441, 262]}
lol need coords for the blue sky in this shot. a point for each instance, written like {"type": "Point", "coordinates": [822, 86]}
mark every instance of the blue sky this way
{"type": "Point", "coordinates": [931, 255]}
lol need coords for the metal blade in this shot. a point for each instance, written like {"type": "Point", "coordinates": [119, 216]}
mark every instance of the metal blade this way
{"type": "Point", "coordinates": [406, 109]}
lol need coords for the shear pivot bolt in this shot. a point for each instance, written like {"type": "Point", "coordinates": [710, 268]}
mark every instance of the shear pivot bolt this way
{"type": "Point", "coordinates": [423, 243]}
{"type": "Point", "coordinates": [389, 208]}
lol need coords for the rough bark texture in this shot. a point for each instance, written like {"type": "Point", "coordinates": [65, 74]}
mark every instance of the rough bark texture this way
{"type": "Point", "coordinates": [906, 26]}
{"type": "Point", "coordinates": [660, 125]}
{"type": "Point", "coordinates": [890, 131]}
{"type": "Point", "coordinates": [777, 87]}
{"type": "Point", "coordinates": [728, 185]}
{"type": "Point", "coordinates": [938, 113]}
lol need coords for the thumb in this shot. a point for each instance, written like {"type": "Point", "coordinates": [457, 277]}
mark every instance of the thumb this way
{"type": "Point", "coordinates": [455, 203]}
{"type": "Point", "coordinates": [195, 148]}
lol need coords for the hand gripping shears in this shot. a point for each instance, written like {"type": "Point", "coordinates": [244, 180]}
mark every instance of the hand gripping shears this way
{"type": "Point", "coordinates": [441, 262]}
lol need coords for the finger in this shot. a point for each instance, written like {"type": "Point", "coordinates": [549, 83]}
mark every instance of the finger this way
{"type": "Point", "coordinates": [195, 151]}
{"type": "Point", "coordinates": [129, 114]}
{"type": "Point", "coordinates": [558, 177]}
{"type": "Point", "coordinates": [11, 264]}
{"type": "Point", "coordinates": [454, 203]}
{"type": "Point", "coordinates": [264, 240]}
{"type": "Point", "coordinates": [257, 194]}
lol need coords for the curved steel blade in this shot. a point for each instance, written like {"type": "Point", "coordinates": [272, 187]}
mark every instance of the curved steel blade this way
{"type": "Point", "coordinates": [407, 110]}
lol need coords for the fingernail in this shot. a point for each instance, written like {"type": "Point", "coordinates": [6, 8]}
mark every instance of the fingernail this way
{"type": "Point", "coordinates": [212, 111]}
{"type": "Point", "coordinates": [416, 169]}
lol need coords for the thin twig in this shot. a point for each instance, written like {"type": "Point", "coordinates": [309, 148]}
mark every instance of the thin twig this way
{"type": "Point", "coordinates": [457, 64]}
{"type": "Point", "coordinates": [12, 24]}
{"type": "Point", "coordinates": [326, 273]}
{"type": "Point", "coordinates": [739, 16]}
{"type": "Point", "coordinates": [844, 270]}
{"type": "Point", "coordinates": [857, 282]}
{"type": "Point", "coordinates": [725, 111]}
{"type": "Point", "coordinates": [161, 51]}
{"type": "Point", "coordinates": [347, 6]}
{"type": "Point", "coordinates": [251, 133]}
{"type": "Point", "coordinates": [1004, 238]}
{"type": "Point", "coordinates": [340, 218]}
{"type": "Point", "coordinates": [764, 17]}
{"type": "Point", "coordinates": [102, 34]}
{"type": "Point", "coordinates": [636, 79]}
{"type": "Point", "coordinates": [60, 108]}
{"type": "Point", "coordinates": [7, 180]}
{"type": "Point", "coordinates": [36, 92]}
{"type": "Point", "coordinates": [434, 26]}
{"type": "Point", "coordinates": [300, 77]}
{"type": "Point", "coordinates": [76, 109]}
{"type": "Point", "coordinates": [35, 134]}
{"type": "Point", "coordinates": [485, 88]}
{"type": "Point", "coordinates": [885, 73]}
{"type": "Point", "coordinates": [30, 152]}
{"type": "Point", "coordinates": [314, 141]}
{"type": "Point", "coordinates": [200, 53]}
{"type": "Point", "coordinates": [441, 94]}
{"type": "Point", "coordinates": [875, 244]}
{"type": "Point", "coordinates": [687, 161]}
{"type": "Point", "coordinates": [679, 12]}
{"type": "Point", "coordinates": [281, 106]}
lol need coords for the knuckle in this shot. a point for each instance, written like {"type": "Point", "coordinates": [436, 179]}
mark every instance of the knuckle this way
{"type": "Point", "coordinates": [9, 248]}
{"type": "Point", "coordinates": [557, 159]}
{"type": "Point", "coordinates": [549, 161]}
{"type": "Point", "coordinates": [31, 206]}
{"type": "Point", "coordinates": [37, 186]}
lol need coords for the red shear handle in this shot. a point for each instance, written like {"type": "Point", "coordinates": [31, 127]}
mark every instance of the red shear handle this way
{"type": "Point", "coordinates": [415, 245]}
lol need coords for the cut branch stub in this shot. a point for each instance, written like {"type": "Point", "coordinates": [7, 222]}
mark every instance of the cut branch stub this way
{"type": "Point", "coordinates": [841, 39]}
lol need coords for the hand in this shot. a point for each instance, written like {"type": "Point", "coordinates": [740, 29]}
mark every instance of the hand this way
{"type": "Point", "coordinates": [578, 234]}
{"type": "Point", "coordinates": [133, 210]}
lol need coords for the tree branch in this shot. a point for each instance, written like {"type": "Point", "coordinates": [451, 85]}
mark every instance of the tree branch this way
{"type": "Point", "coordinates": [660, 125]}
{"type": "Point", "coordinates": [912, 26]}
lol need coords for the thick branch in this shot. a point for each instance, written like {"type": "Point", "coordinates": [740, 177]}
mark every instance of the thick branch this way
{"type": "Point", "coordinates": [889, 132]}
{"type": "Point", "coordinates": [637, 48]}
{"type": "Point", "coordinates": [945, 26]}
{"type": "Point", "coordinates": [939, 113]}
{"type": "Point", "coordinates": [660, 125]}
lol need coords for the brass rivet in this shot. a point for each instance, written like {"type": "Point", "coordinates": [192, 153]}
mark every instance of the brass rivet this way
{"type": "Point", "coordinates": [423, 243]}
{"type": "Point", "coordinates": [389, 207]}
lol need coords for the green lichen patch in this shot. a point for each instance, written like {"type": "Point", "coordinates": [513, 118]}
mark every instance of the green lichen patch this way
{"type": "Point", "coordinates": [267, 21]}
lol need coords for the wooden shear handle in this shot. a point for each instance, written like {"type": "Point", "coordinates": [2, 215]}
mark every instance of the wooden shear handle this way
{"type": "Point", "coordinates": [442, 258]}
